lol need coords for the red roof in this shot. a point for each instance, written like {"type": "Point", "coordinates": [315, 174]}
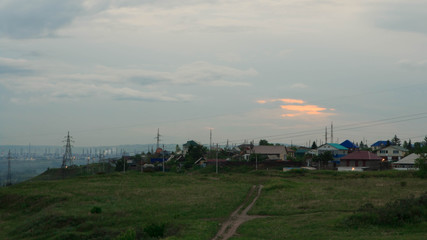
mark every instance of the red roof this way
{"type": "Point", "coordinates": [361, 155]}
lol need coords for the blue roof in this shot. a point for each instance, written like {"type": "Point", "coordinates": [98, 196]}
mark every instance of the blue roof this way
{"type": "Point", "coordinates": [379, 144]}
{"type": "Point", "coordinates": [348, 144]}
{"type": "Point", "coordinates": [338, 146]}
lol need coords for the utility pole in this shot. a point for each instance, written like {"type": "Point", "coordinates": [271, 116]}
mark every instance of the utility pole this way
{"type": "Point", "coordinates": [332, 132]}
{"type": "Point", "coordinates": [67, 159]}
{"type": "Point", "coordinates": [210, 140]}
{"type": "Point", "coordinates": [216, 158]}
{"type": "Point", "coordinates": [256, 161]}
{"type": "Point", "coordinates": [9, 173]}
{"type": "Point", "coordinates": [124, 163]}
{"type": "Point", "coordinates": [163, 156]}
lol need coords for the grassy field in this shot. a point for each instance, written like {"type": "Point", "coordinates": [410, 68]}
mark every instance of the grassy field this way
{"type": "Point", "coordinates": [191, 205]}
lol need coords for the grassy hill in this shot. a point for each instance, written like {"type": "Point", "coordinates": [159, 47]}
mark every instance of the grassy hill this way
{"type": "Point", "coordinates": [299, 205]}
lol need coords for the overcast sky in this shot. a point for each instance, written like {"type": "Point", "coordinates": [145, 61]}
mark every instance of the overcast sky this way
{"type": "Point", "coordinates": [114, 71]}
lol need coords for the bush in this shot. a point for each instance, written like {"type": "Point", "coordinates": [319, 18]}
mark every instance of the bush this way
{"type": "Point", "coordinates": [96, 210]}
{"type": "Point", "coordinates": [154, 230]}
{"type": "Point", "coordinates": [394, 214]}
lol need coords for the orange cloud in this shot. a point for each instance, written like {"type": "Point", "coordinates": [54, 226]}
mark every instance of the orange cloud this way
{"type": "Point", "coordinates": [285, 100]}
{"type": "Point", "coordinates": [289, 100]}
{"type": "Point", "coordinates": [307, 109]}
{"type": "Point", "coordinates": [290, 115]}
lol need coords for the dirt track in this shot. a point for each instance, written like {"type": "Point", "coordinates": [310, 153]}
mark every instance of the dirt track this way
{"type": "Point", "coordinates": [229, 227]}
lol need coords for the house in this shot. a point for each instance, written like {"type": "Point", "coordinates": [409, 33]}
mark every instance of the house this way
{"type": "Point", "coordinates": [350, 146]}
{"type": "Point", "coordinates": [378, 145]}
{"type": "Point", "coordinates": [392, 153]}
{"type": "Point", "coordinates": [290, 152]}
{"type": "Point", "coordinates": [336, 149]}
{"type": "Point", "coordinates": [360, 161]}
{"type": "Point", "coordinates": [406, 163]}
{"type": "Point", "coordinates": [300, 152]}
{"type": "Point", "coordinates": [277, 153]}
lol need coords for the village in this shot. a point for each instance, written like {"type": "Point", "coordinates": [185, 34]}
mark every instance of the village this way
{"type": "Point", "coordinates": [344, 156]}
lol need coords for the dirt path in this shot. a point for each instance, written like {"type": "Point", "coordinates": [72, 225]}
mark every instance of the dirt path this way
{"type": "Point", "coordinates": [229, 227]}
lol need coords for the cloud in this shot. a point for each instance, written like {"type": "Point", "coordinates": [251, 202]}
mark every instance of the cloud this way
{"type": "Point", "coordinates": [296, 107]}
{"type": "Point", "coordinates": [36, 18]}
{"type": "Point", "coordinates": [410, 16]}
{"type": "Point", "coordinates": [285, 100]}
{"type": "Point", "coordinates": [18, 67]}
{"type": "Point", "coordinates": [412, 64]}
{"type": "Point", "coordinates": [299, 85]}
{"type": "Point", "coordinates": [305, 109]}
{"type": "Point", "coordinates": [132, 84]}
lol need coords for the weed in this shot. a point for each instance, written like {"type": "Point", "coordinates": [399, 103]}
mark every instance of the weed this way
{"type": "Point", "coordinates": [129, 234]}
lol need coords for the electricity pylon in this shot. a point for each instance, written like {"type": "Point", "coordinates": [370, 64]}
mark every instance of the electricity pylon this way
{"type": "Point", "coordinates": [67, 160]}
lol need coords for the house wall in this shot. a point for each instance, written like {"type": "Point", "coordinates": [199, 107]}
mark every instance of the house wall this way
{"type": "Point", "coordinates": [391, 154]}
{"type": "Point", "coordinates": [371, 164]}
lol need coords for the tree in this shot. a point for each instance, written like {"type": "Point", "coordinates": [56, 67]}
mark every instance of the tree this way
{"type": "Point", "coordinates": [314, 145]}
{"type": "Point", "coordinates": [395, 141]}
{"type": "Point", "coordinates": [405, 144]}
{"type": "Point", "coordinates": [264, 142]}
{"type": "Point", "coordinates": [195, 152]}
{"type": "Point", "coordinates": [409, 147]}
{"type": "Point", "coordinates": [421, 164]}
{"type": "Point", "coordinates": [119, 164]}
{"type": "Point", "coordinates": [324, 158]}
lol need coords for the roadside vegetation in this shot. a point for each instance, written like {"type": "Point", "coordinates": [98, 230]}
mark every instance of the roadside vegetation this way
{"type": "Point", "coordinates": [299, 204]}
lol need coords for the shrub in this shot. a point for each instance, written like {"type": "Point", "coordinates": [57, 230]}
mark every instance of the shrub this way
{"type": "Point", "coordinates": [395, 213]}
{"type": "Point", "coordinates": [96, 210]}
{"type": "Point", "coordinates": [155, 230]}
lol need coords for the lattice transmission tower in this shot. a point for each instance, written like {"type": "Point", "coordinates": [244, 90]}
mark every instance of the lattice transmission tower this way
{"type": "Point", "coordinates": [67, 160]}
{"type": "Point", "coordinates": [9, 173]}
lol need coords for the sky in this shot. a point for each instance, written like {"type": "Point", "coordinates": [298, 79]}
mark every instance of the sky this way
{"type": "Point", "coordinates": [114, 71]}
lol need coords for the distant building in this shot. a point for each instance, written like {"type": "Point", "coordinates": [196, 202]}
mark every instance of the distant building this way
{"type": "Point", "coordinates": [392, 153]}
{"type": "Point", "coordinates": [360, 161]}
{"type": "Point", "coordinates": [277, 153]}
{"type": "Point", "coordinates": [336, 149]}
{"type": "Point", "coordinates": [406, 163]}
{"type": "Point", "coordinates": [378, 145]}
{"type": "Point", "coordinates": [350, 146]}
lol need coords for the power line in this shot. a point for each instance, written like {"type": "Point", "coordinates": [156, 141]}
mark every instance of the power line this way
{"type": "Point", "coordinates": [396, 119]}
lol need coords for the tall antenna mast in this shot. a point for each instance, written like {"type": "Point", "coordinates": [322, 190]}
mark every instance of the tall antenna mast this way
{"type": "Point", "coordinates": [9, 173]}
{"type": "Point", "coordinates": [332, 132]}
{"type": "Point", "coordinates": [326, 135]}
{"type": "Point", "coordinates": [67, 160]}
{"type": "Point", "coordinates": [158, 139]}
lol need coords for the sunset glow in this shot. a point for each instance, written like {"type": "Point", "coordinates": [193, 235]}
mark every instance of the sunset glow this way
{"type": "Point", "coordinates": [308, 109]}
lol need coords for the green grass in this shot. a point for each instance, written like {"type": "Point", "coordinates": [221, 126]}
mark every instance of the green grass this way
{"type": "Point", "coordinates": [300, 205]}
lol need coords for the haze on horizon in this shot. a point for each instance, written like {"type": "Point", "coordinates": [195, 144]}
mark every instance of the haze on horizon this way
{"type": "Point", "coordinates": [114, 71]}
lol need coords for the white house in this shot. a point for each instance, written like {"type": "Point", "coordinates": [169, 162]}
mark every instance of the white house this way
{"type": "Point", "coordinates": [406, 163]}
{"type": "Point", "coordinates": [392, 153]}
